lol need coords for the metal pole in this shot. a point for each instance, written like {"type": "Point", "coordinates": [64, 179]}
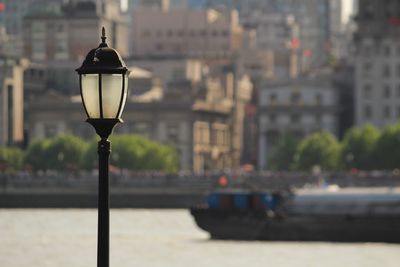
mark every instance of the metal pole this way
{"type": "Point", "coordinates": [103, 234]}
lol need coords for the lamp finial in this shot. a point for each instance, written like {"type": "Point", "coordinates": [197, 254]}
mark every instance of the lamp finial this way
{"type": "Point", "coordinates": [103, 35]}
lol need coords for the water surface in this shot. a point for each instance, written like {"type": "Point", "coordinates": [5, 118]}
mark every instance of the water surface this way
{"type": "Point", "coordinates": [161, 238]}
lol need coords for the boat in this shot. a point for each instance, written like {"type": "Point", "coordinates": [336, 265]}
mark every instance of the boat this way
{"type": "Point", "coordinates": [343, 215]}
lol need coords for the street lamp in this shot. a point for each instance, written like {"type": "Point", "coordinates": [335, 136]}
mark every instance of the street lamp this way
{"type": "Point", "coordinates": [103, 84]}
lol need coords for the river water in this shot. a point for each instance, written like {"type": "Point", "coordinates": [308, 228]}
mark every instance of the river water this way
{"type": "Point", "coordinates": [160, 238]}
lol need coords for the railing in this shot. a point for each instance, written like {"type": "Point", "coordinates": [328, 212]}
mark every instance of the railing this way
{"type": "Point", "coordinates": [147, 181]}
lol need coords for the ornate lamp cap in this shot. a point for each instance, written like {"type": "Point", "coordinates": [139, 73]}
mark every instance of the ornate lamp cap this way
{"type": "Point", "coordinates": [103, 59]}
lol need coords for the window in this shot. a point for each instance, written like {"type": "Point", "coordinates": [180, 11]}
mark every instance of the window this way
{"type": "Point", "coordinates": [367, 68]}
{"type": "Point", "coordinates": [205, 135]}
{"type": "Point", "coordinates": [38, 28]}
{"type": "Point", "coordinates": [172, 133]}
{"type": "Point", "coordinates": [178, 74]}
{"type": "Point", "coordinates": [295, 98]}
{"type": "Point", "coordinates": [201, 132]}
{"type": "Point", "coordinates": [82, 130]}
{"type": "Point", "coordinates": [60, 28]}
{"type": "Point", "coordinates": [386, 91]}
{"type": "Point", "coordinates": [386, 71]}
{"type": "Point", "coordinates": [38, 50]}
{"type": "Point", "coordinates": [10, 113]}
{"type": "Point", "coordinates": [367, 112]}
{"type": "Point", "coordinates": [272, 99]}
{"type": "Point", "coordinates": [387, 50]}
{"type": "Point", "coordinates": [61, 48]}
{"type": "Point", "coordinates": [318, 119]}
{"type": "Point", "coordinates": [367, 50]}
{"type": "Point", "coordinates": [295, 118]}
{"type": "Point", "coordinates": [386, 112]}
{"type": "Point", "coordinates": [318, 99]}
{"type": "Point", "coordinates": [50, 130]}
{"type": "Point", "coordinates": [367, 91]}
{"type": "Point", "coordinates": [146, 33]}
{"type": "Point", "coordinates": [142, 128]}
{"type": "Point", "coordinates": [38, 40]}
{"type": "Point", "coordinates": [159, 46]}
{"type": "Point", "coordinates": [272, 118]}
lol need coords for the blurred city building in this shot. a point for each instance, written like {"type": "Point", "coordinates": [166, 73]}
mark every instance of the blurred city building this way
{"type": "Point", "coordinates": [202, 71]}
{"type": "Point", "coordinates": [12, 100]}
{"type": "Point", "coordinates": [184, 32]}
{"type": "Point", "coordinates": [59, 35]}
{"type": "Point", "coordinates": [11, 18]}
{"type": "Point", "coordinates": [276, 36]}
{"type": "Point", "coordinates": [320, 22]}
{"type": "Point", "coordinates": [34, 86]}
{"type": "Point", "coordinates": [299, 107]}
{"type": "Point", "coordinates": [202, 119]}
{"type": "Point", "coordinates": [171, 68]}
{"type": "Point", "coordinates": [316, 20]}
{"type": "Point", "coordinates": [377, 67]}
{"type": "Point", "coordinates": [343, 81]}
{"type": "Point", "coordinates": [163, 4]}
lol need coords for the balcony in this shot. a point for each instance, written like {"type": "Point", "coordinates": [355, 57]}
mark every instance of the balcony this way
{"type": "Point", "coordinates": [222, 107]}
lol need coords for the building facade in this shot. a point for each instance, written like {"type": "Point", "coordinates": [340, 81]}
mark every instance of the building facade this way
{"type": "Point", "coordinates": [318, 22]}
{"type": "Point", "coordinates": [184, 32]}
{"type": "Point", "coordinates": [170, 68]}
{"type": "Point", "coordinates": [199, 118]}
{"type": "Point", "coordinates": [298, 107]}
{"type": "Point", "coordinates": [12, 100]}
{"type": "Point", "coordinates": [377, 63]}
{"type": "Point", "coordinates": [60, 35]}
{"type": "Point", "coordinates": [12, 19]}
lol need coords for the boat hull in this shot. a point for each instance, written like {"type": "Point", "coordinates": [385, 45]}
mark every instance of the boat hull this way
{"type": "Point", "coordinates": [259, 225]}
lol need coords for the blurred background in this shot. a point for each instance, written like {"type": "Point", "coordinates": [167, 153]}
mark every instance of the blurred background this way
{"type": "Point", "coordinates": [255, 94]}
{"type": "Point", "coordinates": [220, 82]}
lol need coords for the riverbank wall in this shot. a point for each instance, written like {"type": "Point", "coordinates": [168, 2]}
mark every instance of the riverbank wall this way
{"type": "Point", "coordinates": [167, 200]}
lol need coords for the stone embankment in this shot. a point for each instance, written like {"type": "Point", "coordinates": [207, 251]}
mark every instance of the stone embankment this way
{"type": "Point", "coordinates": [156, 190]}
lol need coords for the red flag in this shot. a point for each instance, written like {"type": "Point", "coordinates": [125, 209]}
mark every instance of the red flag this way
{"type": "Point", "coordinates": [394, 21]}
{"type": "Point", "coordinates": [307, 52]}
{"type": "Point", "coordinates": [295, 43]}
{"type": "Point", "coordinates": [2, 7]}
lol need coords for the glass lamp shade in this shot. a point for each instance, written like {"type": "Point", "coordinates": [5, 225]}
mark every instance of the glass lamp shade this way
{"type": "Point", "coordinates": [103, 95]}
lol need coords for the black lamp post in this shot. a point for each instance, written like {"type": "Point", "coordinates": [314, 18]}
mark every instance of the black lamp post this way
{"type": "Point", "coordinates": [103, 83]}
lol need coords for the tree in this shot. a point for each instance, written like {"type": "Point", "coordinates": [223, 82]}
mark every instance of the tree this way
{"type": "Point", "coordinates": [135, 152]}
{"type": "Point", "coordinates": [282, 155]}
{"type": "Point", "coordinates": [387, 153]}
{"type": "Point", "coordinates": [63, 152]}
{"type": "Point", "coordinates": [90, 158]}
{"type": "Point", "coordinates": [320, 149]}
{"type": "Point", "coordinates": [10, 158]}
{"type": "Point", "coordinates": [358, 147]}
{"type": "Point", "coordinates": [160, 157]}
{"type": "Point", "coordinates": [35, 155]}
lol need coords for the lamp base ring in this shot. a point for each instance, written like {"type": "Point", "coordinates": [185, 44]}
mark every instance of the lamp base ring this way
{"type": "Point", "coordinates": [104, 127]}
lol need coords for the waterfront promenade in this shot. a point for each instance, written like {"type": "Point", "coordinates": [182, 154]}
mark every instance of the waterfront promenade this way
{"type": "Point", "coordinates": [157, 190]}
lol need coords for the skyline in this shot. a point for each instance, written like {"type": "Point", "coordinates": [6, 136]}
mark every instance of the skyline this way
{"type": "Point", "coordinates": [348, 7]}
